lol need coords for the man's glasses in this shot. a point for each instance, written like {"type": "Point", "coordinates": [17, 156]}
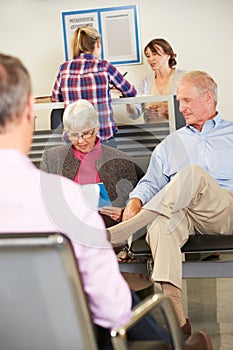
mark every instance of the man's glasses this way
{"type": "Point", "coordinates": [85, 135]}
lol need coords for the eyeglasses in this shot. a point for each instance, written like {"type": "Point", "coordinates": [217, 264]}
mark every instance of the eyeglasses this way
{"type": "Point", "coordinates": [85, 135]}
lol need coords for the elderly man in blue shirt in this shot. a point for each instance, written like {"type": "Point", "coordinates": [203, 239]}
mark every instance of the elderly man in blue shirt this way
{"type": "Point", "coordinates": [188, 185]}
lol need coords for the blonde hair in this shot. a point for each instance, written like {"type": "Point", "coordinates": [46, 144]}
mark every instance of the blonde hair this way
{"type": "Point", "coordinates": [80, 115]}
{"type": "Point", "coordinates": [84, 40]}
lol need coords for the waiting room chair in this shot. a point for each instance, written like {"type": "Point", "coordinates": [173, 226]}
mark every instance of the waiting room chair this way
{"type": "Point", "coordinates": [196, 244]}
{"type": "Point", "coordinates": [43, 305]}
{"type": "Point", "coordinates": [56, 118]}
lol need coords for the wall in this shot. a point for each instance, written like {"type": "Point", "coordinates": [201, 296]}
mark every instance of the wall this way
{"type": "Point", "coordinates": [200, 32]}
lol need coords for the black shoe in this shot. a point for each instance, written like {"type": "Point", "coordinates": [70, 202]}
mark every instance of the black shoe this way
{"type": "Point", "coordinates": [198, 341]}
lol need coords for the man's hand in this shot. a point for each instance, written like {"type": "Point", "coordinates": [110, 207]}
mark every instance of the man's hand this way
{"type": "Point", "coordinates": [132, 208]}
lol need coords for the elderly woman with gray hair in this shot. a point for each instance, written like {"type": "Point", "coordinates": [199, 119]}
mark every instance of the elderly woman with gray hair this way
{"type": "Point", "coordinates": [85, 160]}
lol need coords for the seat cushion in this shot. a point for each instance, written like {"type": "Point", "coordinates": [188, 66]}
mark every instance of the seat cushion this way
{"type": "Point", "coordinates": [197, 243]}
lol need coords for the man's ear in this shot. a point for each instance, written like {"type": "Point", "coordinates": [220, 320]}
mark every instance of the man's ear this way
{"type": "Point", "coordinates": [209, 96]}
{"type": "Point", "coordinates": [30, 109]}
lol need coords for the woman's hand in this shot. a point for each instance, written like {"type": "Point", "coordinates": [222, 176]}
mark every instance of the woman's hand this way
{"type": "Point", "coordinates": [115, 213]}
{"type": "Point", "coordinates": [130, 108]}
{"type": "Point", "coordinates": [157, 110]}
{"type": "Point", "coordinates": [161, 110]}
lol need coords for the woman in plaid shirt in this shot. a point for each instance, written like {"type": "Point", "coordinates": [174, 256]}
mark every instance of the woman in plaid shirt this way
{"type": "Point", "coordinates": [86, 76]}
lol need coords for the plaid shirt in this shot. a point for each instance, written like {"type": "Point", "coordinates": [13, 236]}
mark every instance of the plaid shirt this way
{"type": "Point", "coordinates": [87, 77]}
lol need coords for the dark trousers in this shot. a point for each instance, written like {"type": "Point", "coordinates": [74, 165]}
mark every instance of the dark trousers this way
{"type": "Point", "coordinates": [110, 142]}
{"type": "Point", "coordinates": [145, 329]}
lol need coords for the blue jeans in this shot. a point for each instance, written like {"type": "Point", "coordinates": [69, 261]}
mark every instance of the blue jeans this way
{"type": "Point", "coordinates": [110, 142]}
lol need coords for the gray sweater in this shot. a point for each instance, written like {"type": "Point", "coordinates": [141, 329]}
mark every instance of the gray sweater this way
{"type": "Point", "coordinates": [116, 169]}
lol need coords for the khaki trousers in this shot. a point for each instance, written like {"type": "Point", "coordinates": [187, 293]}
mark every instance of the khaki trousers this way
{"type": "Point", "coordinates": [193, 199]}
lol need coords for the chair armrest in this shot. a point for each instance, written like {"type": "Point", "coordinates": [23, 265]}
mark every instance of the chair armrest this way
{"type": "Point", "coordinates": [119, 335]}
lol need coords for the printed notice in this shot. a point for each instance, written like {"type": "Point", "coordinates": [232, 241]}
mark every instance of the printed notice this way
{"type": "Point", "coordinates": [118, 27]}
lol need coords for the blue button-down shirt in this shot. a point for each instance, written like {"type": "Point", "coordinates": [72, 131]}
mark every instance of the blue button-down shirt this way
{"type": "Point", "coordinates": [211, 148]}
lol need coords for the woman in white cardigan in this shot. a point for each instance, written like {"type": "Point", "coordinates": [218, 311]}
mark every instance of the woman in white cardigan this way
{"type": "Point", "coordinates": [162, 81]}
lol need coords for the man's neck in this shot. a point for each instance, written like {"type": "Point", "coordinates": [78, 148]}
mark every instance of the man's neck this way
{"type": "Point", "coordinates": [14, 139]}
{"type": "Point", "coordinates": [199, 126]}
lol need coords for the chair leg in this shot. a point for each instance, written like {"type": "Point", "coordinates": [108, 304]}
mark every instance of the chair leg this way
{"type": "Point", "coordinates": [149, 266]}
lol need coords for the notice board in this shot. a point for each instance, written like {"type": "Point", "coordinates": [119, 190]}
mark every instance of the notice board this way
{"type": "Point", "coordinates": [118, 27]}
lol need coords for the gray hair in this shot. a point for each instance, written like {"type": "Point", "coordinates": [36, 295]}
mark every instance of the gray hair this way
{"type": "Point", "coordinates": [15, 89]}
{"type": "Point", "coordinates": [80, 115]}
{"type": "Point", "coordinates": [202, 81]}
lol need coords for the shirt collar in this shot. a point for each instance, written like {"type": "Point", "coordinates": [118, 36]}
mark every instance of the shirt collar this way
{"type": "Point", "coordinates": [209, 124]}
{"type": "Point", "coordinates": [95, 152]}
{"type": "Point", "coordinates": [86, 55]}
{"type": "Point", "coordinates": [13, 156]}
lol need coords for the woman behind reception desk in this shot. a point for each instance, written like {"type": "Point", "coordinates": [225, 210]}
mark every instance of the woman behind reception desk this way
{"type": "Point", "coordinates": [162, 81]}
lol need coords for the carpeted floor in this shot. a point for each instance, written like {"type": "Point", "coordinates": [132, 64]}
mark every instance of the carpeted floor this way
{"type": "Point", "coordinates": [208, 304]}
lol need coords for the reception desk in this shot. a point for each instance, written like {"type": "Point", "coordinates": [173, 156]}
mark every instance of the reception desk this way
{"type": "Point", "coordinates": [137, 138]}
{"type": "Point", "coordinates": [44, 106]}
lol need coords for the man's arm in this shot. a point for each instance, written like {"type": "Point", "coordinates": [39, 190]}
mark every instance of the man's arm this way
{"type": "Point", "coordinates": [132, 208]}
{"type": "Point", "coordinates": [108, 294]}
{"type": "Point", "coordinates": [159, 172]}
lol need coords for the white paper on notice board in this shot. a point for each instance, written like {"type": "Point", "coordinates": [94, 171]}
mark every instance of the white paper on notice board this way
{"type": "Point", "coordinates": [118, 30]}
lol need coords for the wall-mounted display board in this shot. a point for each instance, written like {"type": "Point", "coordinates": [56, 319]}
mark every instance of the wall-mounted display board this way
{"type": "Point", "coordinates": [118, 27]}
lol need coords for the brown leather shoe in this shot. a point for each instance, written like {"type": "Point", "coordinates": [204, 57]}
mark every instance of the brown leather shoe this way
{"type": "Point", "coordinates": [186, 329]}
{"type": "Point", "coordinates": [198, 341]}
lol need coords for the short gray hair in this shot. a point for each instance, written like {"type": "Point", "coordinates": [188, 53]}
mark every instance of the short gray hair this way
{"type": "Point", "coordinates": [202, 81]}
{"type": "Point", "coordinates": [15, 89]}
{"type": "Point", "coordinates": [80, 115]}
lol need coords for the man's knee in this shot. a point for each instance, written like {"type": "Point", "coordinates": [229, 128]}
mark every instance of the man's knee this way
{"type": "Point", "coordinates": [193, 170]}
